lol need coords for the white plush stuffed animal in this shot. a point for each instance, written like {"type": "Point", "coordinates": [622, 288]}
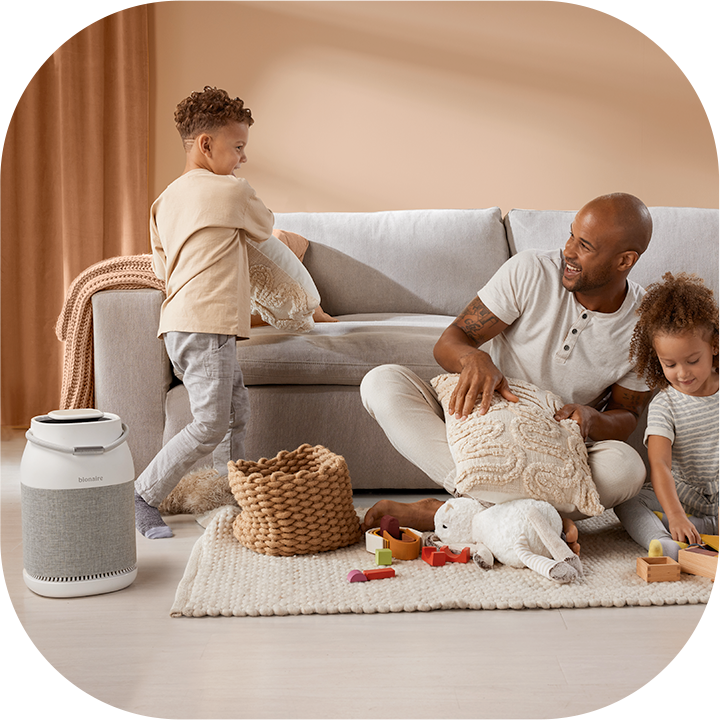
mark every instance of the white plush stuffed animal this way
{"type": "Point", "coordinates": [519, 533]}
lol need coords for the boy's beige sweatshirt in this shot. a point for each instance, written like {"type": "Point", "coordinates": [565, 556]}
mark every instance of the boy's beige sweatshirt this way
{"type": "Point", "coordinates": [198, 228]}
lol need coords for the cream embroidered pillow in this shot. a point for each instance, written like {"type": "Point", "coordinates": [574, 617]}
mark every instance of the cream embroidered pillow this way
{"type": "Point", "coordinates": [518, 450]}
{"type": "Point", "coordinates": [282, 292]}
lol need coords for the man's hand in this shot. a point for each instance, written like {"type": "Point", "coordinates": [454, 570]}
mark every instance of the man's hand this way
{"type": "Point", "coordinates": [478, 378]}
{"type": "Point", "coordinates": [583, 415]}
{"type": "Point", "coordinates": [616, 422]}
{"type": "Point", "coordinates": [457, 352]}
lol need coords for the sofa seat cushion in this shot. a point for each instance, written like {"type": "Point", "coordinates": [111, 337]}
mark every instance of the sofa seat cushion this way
{"type": "Point", "coordinates": [341, 353]}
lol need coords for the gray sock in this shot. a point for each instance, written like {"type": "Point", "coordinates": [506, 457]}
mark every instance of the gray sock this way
{"type": "Point", "coordinates": [149, 521]}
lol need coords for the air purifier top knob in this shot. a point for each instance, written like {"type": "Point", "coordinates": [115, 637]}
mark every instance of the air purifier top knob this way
{"type": "Point", "coordinates": [77, 415]}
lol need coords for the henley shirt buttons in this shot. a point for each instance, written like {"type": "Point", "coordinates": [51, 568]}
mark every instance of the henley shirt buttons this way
{"type": "Point", "coordinates": [572, 338]}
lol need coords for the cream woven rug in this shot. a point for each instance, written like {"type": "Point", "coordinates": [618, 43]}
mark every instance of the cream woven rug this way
{"type": "Point", "coordinates": [224, 578]}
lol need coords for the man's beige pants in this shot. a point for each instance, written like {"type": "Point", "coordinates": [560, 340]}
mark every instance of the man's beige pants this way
{"type": "Point", "coordinates": [409, 412]}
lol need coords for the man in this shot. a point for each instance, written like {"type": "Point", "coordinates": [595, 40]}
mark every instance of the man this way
{"type": "Point", "coordinates": [559, 320]}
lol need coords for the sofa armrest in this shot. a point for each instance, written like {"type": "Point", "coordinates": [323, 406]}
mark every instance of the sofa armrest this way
{"type": "Point", "coordinates": [132, 370]}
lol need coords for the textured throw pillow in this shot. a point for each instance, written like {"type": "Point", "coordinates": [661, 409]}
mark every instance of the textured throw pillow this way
{"type": "Point", "coordinates": [297, 243]}
{"type": "Point", "coordinates": [518, 450]}
{"type": "Point", "coordinates": [282, 292]}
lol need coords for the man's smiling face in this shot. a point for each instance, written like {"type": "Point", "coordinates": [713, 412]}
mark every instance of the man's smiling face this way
{"type": "Point", "coordinates": [590, 253]}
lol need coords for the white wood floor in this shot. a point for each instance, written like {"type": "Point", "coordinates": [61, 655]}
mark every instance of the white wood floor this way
{"type": "Point", "coordinates": [124, 650]}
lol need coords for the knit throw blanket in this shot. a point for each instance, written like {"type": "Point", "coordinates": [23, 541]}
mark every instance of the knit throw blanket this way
{"type": "Point", "coordinates": [74, 326]}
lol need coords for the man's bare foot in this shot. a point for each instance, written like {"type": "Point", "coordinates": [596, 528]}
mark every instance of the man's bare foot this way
{"type": "Point", "coordinates": [571, 535]}
{"type": "Point", "coordinates": [419, 515]}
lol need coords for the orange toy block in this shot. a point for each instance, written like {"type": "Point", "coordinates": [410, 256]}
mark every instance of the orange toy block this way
{"type": "Point", "coordinates": [408, 548]}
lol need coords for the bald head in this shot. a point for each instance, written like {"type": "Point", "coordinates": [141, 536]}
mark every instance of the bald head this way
{"type": "Point", "coordinates": [629, 218]}
{"type": "Point", "coordinates": [607, 237]}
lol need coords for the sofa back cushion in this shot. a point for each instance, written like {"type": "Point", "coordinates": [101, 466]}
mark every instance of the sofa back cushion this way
{"type": "Point", "coordinates": [683, 240]}
{"type": "Point", "coordinates": [400, 261]}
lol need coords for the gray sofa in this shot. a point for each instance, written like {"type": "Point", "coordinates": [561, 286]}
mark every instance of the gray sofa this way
{"type": "Point", "coordinates": [394, 280]}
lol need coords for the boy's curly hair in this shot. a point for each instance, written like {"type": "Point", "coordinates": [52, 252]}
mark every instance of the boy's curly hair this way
{"type": "Point", "coordinates": [675, 306]}
{"type": "Point", "coordinates": [207, 111]}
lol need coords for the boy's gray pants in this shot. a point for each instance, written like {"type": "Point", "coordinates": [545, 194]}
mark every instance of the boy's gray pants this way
{"type": "Point", "coordinates": [219, 401]}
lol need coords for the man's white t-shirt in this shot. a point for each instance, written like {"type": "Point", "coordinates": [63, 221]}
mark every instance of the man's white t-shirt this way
{"type": "Point", "coordinates": [553, 341]}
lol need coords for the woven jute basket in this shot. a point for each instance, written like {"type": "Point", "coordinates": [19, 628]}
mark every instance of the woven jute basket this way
{"type": "Point", "coordinates": [298, 502]}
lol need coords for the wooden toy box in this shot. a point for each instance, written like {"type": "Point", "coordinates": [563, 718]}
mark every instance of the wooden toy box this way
{"type": "Point", "coordinates": [699, 561]}
{"type": "Point", "coordinates": [658, 569]}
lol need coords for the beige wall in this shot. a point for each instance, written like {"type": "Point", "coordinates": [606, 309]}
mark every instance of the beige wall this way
{"type": "Point", "coordinates": [366, 106]}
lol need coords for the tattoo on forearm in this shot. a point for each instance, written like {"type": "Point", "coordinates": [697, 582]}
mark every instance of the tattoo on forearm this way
{"type": "Point", "coordinates": [476, 320]}
{"type": "Point", "coordinates": [624, 399]}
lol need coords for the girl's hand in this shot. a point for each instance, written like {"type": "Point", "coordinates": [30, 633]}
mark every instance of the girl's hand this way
{"type": "Point", "coordinates": [682, 530]}
{"type": "Point", "coordinates": [660, 456]}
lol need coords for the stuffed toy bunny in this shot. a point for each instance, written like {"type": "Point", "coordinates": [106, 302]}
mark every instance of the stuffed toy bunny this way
{"type": "Point", "coordinates": [519, 533]}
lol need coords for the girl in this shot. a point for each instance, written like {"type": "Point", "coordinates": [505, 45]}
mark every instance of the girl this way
{"type": "Point", "coordinates": [675, 349]}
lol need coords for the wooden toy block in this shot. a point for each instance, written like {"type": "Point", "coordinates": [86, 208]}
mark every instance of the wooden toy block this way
{"type": "Point", "coordinates": [407, 548]}
{"type": "Point", "coordinates": [390, 525]}
{"type": "Point", "coordinates": [462, 557]}
{"type": "Point", "coordinates": [658, 569]}
{"type": "Point", "coordinates": [383, 556]}
{"type": "Point", "coordinates": [698, 561]}
{"type": "Point", "coordinates": [433, 556]}
{"type": "Point", "coordinates": [379, 573]}
{"type": "Point", "coordinates": [356, 576]}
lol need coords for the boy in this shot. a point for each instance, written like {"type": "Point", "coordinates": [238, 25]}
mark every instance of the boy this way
{"type": "Point", "coordinates": [198, 227]}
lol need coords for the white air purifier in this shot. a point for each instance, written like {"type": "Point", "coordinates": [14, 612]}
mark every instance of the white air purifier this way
{"type": "Point", "coordinates": [78, 506]}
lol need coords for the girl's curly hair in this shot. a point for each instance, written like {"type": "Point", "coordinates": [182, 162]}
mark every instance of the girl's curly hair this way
{"type": "Point", "coordinates": [207, 111]}
{"type": "Point", "coordinates": [675, 306]}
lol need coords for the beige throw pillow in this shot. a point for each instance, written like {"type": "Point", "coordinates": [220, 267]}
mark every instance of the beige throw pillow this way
{"type": "Point", "coordinates": [282, 292]}
{"type": "Point", "coordinates": [518, 450]}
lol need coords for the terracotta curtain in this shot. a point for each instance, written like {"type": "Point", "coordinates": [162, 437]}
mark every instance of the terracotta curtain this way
{"type": "Point", "coordinates": [74, 192]}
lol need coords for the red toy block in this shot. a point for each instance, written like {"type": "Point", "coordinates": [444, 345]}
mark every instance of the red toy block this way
{"type": "Point", "coordinates": [390, 525]}
{"type": "Point", "coordinates": [462, 557]}
{"type": "Point", "coordinates": [356, 576]}
{"type": "Point", "coordinates": [379, 573]}
{"type": "Point", "coordinates": [436, 558]}
{"type": "Point", "coordinates": [433, 556]}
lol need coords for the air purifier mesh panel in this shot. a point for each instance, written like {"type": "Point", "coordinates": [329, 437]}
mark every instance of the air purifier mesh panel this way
{"type": "Point", "coordinates": [73, 534]}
